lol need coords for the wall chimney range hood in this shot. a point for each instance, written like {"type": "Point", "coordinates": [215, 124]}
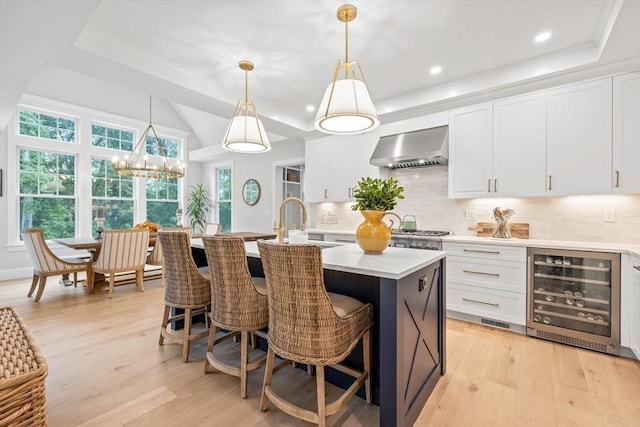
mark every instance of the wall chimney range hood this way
{"type": "Point", "coordinates": [421, 148]}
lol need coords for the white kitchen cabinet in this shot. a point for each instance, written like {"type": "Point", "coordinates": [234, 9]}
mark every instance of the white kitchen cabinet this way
{"type": "Point", "coordinates": [626, 133]}
{"type": "Point", "coordinates": [487, 282]}
{"type": "Point", "coordinates": [519, 146]}
{"type": "Point", "coordinates": [470, 151]}
{"type": "Point", "coordinates": [340, 238]}
{"type": "Point", "coordinates": [634, 308]}
{"type": "Point", "coordinates": [334, 164]}
{"type": "Point", "coordinates": [579, 140]}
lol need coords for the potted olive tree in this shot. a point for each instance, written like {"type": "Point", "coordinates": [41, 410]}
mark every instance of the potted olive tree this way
{"type": "Point", "coordinates": [198, 207]}
{"type": "Point", "coordinates": [374, 198]}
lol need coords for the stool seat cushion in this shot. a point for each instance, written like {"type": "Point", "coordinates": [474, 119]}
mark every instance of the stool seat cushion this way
{"type": "Point", "coordinates": [343, 305]}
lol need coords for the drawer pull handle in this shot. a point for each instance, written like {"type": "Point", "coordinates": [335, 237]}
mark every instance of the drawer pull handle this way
{"type": "Point", "coordinates": [481, 272]}
{"type": "Point", "coordinates": [617, 179]}
{"type": "Point", "coordinates": [481, 302]}
{"type": "Point", "coordinates": [481, 252]}
{"type": "Point", "coordinates": [345, 240]}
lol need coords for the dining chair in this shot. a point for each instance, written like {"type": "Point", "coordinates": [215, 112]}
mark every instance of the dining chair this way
{"type": "Point", "coordinates": [155, 257]}
{"type": "Point", "coordinates": [212, 228]}
{"type": "Point", "coordinates": [238, 305]}
{"type": "Point", "coordinates": [121, 250]}
{"type": "Point", "coordinates": [187, 290]}
{"type": "Point", "coordinates": [46, 263]}
{"type": "Point", "coordinates": [309, 325]}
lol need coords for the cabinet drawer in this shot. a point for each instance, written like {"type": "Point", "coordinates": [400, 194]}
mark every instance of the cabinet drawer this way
{"type": "Point", "coordinates": [499, 275]}
{"type": "Point", "coordinates": [340, 238]}
{"type": "Point", "coordinates": [486, 251]}
{"type": "Point", "coordinates": [498, 305]}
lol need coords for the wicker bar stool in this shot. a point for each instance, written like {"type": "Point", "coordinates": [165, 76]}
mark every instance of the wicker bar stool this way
{"type": "Point", "coordinates": [155, 257]}
{"type": "Point", "coordinates": [186, 287]}
{"type": "Point", "coordinates": [309, 325]}
{"type": "Point", "coordinates": [239, 304]}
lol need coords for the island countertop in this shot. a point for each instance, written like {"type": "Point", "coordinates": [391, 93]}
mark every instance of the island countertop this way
{"type": "Point", "coordinates": [393, 263]}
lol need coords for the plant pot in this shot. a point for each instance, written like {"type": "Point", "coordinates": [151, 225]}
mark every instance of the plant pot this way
{"type": "Point", "coordinates": [373, 235]}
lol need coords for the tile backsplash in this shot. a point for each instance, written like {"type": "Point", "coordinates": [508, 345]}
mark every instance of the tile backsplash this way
{"type": "Point", "coordinates": [555, 218]}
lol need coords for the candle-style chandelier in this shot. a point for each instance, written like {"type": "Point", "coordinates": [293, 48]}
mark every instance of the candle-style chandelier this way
{"type": "Point", "coordinates": [136, 164]}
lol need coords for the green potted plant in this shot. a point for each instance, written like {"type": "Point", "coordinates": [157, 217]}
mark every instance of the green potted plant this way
{"type": "Point", "coordinates": [374, 198]}
{"type": "Point", "coordinates": [198, 207]}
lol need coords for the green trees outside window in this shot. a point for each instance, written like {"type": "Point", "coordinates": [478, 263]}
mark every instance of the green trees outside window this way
{"type": "Point", "coordinates": [223, 181]}
{"type": "Point", "coordinates": [162, 201]}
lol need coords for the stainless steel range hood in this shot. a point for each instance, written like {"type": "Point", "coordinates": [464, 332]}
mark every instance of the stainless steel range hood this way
{"type": "Point", "coordinates": [427, 147]}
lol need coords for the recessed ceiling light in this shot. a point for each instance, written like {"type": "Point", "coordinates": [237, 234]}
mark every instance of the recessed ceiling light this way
{"type": "Point", "coordinates": [311, 108]}
{"type": "Point", "coordinates": [436, 70]}
{"type": "Point", "coordinates": [542, 37]}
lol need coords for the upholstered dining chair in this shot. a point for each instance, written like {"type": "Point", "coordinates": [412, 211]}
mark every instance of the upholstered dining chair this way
{"type": "Point", "coordinates": [309, 325]}
{"type": "Point", "coordinates": [121, 250]}
{"type": "Point", "coordinates": [46, 263]}
{"type": "Point", "coordinates": [155, 257]}
{"type": "Point", "coordinates": [212, 228]}
{"type": "Point", "coordinates": [186, 288]}
{"type": "Point", "coordinates": [239, 304]}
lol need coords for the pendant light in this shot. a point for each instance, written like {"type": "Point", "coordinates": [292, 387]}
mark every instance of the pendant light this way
{"type": "Point", "coordinates": [136, 164]}
{"type": "Point", "coordinates": [346, 107]}
{"type": "Point", "coordinates": [245, 133]}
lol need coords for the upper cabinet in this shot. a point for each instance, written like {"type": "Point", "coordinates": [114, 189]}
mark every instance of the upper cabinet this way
{"type": "Point", "coordinates": [579, 144]}
{"type": "Point", "coordinates": [498, 150]}
{"type": "Point", "coordinates": [334, 164]}
{"type": "Point", "coordinates": [470, 151]}
{"type": "Point", "coordinates": [519, 146]}
{"type": "Point", "coordinates": [626, 133]}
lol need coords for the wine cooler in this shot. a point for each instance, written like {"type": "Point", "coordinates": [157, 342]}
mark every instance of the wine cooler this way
{"type": "Point", "coordinates": [573, 298]}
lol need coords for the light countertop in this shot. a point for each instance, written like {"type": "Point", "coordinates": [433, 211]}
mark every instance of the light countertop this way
{"type": "Point", "coordinates": [553, 244]}
{"type": "Point", "coordinates": [393, 263]}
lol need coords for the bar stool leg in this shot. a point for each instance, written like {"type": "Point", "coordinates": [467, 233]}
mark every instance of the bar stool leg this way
{"type": "Point", "coordinates": [268, 373]}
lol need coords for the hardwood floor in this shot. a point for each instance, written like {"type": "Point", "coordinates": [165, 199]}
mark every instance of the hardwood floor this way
{"type": "Point", "coordinates": [107, 369]}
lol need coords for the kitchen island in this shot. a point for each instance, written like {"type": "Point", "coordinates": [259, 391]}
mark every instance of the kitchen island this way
{"type": "Point", "coordinates": [406, 288]}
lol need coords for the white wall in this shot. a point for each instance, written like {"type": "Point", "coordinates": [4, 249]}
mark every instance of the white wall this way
{"type": "Point", "coordinates": [261, 167]}
{"type": "Point", "coordinates": [553, 218]}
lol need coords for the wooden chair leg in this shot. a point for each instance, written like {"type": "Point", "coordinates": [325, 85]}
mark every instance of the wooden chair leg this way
{"type": "Point", "coordinates": [187, 334]}
{"type": "Point", "coordinates": [162, 277]}
{"type": "Point", "coordinates": [322, 407]}
{"type": "Point", "coordinates": [244, 359]}
{"type": "Point", "coordinates": [90, 280]}
{"type": "Point", "coordinates": [112, 280]}
{"type": "Point", "coordinates": [140, 279]}
{"type": "Point", "coordinates": [366, 355]}
{"type": "Point", "coordinates": [210, 344]}
{"type": "Point", "coordinates": [268, 373]}
{"type": "Point", "coordinates": [165, 321]}
{"type": "Point", "coordinates": [75, 279]}
{"type": "Point", "coordinates": [254, 343]}
{"type": "Point", "coordinates": [34, 283]}
{"type": "Point", "coordinates": [43, 282]}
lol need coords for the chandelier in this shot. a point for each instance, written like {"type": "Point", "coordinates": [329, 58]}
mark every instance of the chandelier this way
{"type": "Point", "coordinates": [136, 164]}
{"type": "Point", "coordinates": [246, 133]}
{"type": "Point", "coordinates": [346, 107]}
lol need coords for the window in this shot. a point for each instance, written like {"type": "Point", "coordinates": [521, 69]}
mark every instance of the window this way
{"type": "Point", "coordinates": [108, 137]}
{"type": "Point", "coordinates": [114, 193]}
{"type": "Point", "coordinates": [46, 126]}
{"type": "Point", "coordinates": [169, 146]}
{"type": "Point", "coordinates": [223, 198]}
{"type": "Point", "coordinates": [162, 201]}
{"type": "Point", "coordinates": [47, 192]}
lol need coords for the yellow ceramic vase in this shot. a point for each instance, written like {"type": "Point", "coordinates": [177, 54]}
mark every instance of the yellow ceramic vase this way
{"type": "Point", "coordinates": [373, 235]}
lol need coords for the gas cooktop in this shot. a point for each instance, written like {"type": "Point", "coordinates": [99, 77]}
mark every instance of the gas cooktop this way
{"type": "Point", "coordinates": [421, 233]}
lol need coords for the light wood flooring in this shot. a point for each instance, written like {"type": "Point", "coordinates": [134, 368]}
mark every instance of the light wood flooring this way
{"type": "Point", "coordinates": [106, 369]}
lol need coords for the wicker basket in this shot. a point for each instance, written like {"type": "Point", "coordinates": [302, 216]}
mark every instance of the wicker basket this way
{"type": "Point", "coordinates": [23, 370]}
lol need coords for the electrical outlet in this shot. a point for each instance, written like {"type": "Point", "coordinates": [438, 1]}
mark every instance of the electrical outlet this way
{"type": "Point", "coordinates": [609, 215]}
{"type": "Point", "coordinates": [471, 215]}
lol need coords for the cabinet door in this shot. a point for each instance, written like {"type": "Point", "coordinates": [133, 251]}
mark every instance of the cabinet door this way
{"type": "Point", "coordinates": [316, 172]}
{"type": "Point", "coordinates": [519, 146]}
{"type": "Point", "coordinates": [579, 139]}
{"type": "Point", "coordinates": [634, 317]}
{"type": "Point", "coordinates": [363, 146]}
{"type": "Point", "coordinates": [470, 152]}
{"type": "Point", "coordinates": [626, 133]}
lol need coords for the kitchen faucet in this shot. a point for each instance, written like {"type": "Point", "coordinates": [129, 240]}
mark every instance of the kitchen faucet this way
{"type": "Point", "coordinates": [280, 228]}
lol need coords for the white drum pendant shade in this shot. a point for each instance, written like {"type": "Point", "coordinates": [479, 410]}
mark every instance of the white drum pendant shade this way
{"type": "Point", "coordinates": [246, 134]}
{"type": "Point", "coordinates": [346, 108]}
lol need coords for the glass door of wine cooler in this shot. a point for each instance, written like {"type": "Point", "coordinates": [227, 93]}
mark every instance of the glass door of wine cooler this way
{"type": "Point", "coordinates": [574, 298]}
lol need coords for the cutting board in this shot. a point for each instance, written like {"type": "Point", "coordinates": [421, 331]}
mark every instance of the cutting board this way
{"type": "Point", "coordinates": [519, 230]}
